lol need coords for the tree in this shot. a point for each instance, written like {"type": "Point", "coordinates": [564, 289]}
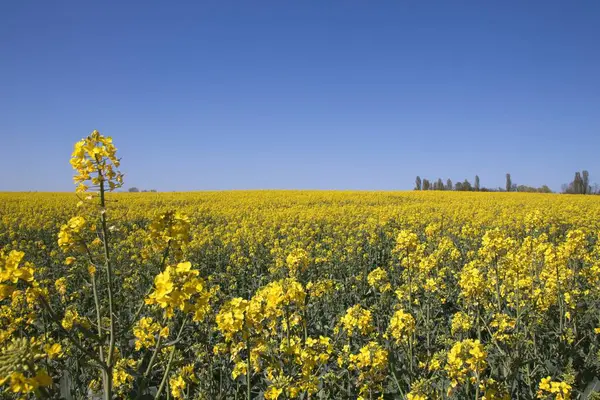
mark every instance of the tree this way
{"type": "Point", "coordinates": [133, 190]}
{"type": "Point", "coordinates": [508, 183]}
{"type": "Point", "coordinates": [440, 184]}
{"type": "Point", "coordinates": [578, 183]}
{"type": "Point", "coordinates": [418, 183]}
{"type": "Point", "coordinates": [585, 176]}
{"type": "Point", "coordinates": [458, 187]}
{"type": "Point", "coordinates": [466, 186]}
{"type": "Point", "coordinates": [449, 184]}
{"type": "Point", "coordinates": [477, 183]}
{"type": "Point", "coordinates": [426, 184]}
{"type": "Point", "coordinates": [530, 189]}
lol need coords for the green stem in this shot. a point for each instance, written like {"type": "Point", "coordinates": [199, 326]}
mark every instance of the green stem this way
{"type": "Point", "coordinates": [109, 274]}
{"type": "Point", "coordinates": [106, 379]}
{"type": "Point", "coordinates": [163, 382]}
{"type": "Point", "coordinates": [98, 317]}
{"type": "Point", "coordinates": [249, 370]}
{"type": "Point", "coordinates": [154, 354]}
{"type": "Point", "coordinates": [67, 334]}
{"type": "Point", "coordinates": [560, 301]}
{"type": "Point", "coordinates": [478, 322]}
{"type": "Point", "coordinates": [392, 370]}
{"type": "Point", "coordinates": [287, 331]}
{"type": "Point", "coordinates": [410, 355]}
{"type": "Point", "coordinates": [498, 286]}
{"type": "Point", "coordinates": [427, 330]}
{"type": "Point", "coordinates": [409, 282]}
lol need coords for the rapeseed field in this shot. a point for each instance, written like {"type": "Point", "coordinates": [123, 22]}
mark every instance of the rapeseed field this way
{"type": "Point", "coordinates": [295, 294]}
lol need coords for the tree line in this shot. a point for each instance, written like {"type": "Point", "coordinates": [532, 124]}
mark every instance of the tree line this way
{"type": "Point", "coordinates": [137, 190]}
{"type": "Point", "coordinates": [466, 186]}
{"type": "Point", "coordinates": [579, 185]}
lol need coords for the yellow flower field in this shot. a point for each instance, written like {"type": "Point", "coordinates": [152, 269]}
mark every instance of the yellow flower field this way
{"type": "Point", "coordinates": [295, 294]}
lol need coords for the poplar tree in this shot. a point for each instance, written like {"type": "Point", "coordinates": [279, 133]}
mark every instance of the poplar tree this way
{"type": "Point", "coordinates": [418, 183]}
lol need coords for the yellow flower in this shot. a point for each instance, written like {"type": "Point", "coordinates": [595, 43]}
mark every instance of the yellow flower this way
{"type": "Point", "coordinates": [11, 270]}
{"type": "Point", "coordinates": [72, 318]}
{"type": "Point", "coordinates": [461, 322]}
{"type": "Point", "coordinates": [180, 288]}
{"type": "Point", "coordinates": [18, 368]}
{"type": "Point", "coordinates": [406, 242]}
{"type": "Point", "coordinates": [402, 326]}
{"type": "Point", "coordinates": [556, 390]}
{"type": "Point", "coordinates": [122, 379]}
{"type": "Point", "coordinates": [503, 325]}
{"type": "Point", "coordinates": [178, 385]}
{"type": "Point", "coordinates": [61, 285]}
{"type": "Point", "coordinates": [145, 332]}
{"type": "Point", "coordinates": [19, 383]}
{"type": "Point", "coordinates": [357, 319]}
{"type": "Point", "coordinates": [465, 357]}
{"type": "Point", "coordinates": [231, 317]}
{"type": "Point", "coordinates": [69, 236]}
{"type": "Point", "coordinates": [95, 161]}
{"type": "Point", "coordinates": [472, 283]}
{"type": "Point", "coordinates": [171, 229]}
{"type": "Point", "coordinates": [240, 368]}
{"type": "Point", "coordinates": [53, 350]}
{"type": "Point", "coordinates": [297, 261]}
{"type": "Point", "coordinates": [320, 288]}
{"type": "Point", "coordinates": [273, 393]}
{"type": "Point", "coordinates": [371, 362]}
{"type": "Point", "coordinates": [378, 278]}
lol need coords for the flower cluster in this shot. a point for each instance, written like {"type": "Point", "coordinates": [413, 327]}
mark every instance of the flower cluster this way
{"type": "Point", "coordinates": [466, 360]}
{"type": "Point", "coordinates": [170, 230]}
{"type": "Point", "coordinates": [70, 235]}
{"type": "Point", "coordinates": [378, 278]}
{"type": "Point", "coordinates": [12, 271]}
{"type": "Point", "coordinates": [146, 332]}
{"type": "Point", "coordinates": [18, 368]}
{"type": "Point", "coordinates": [320, 288]}
{"type": "Point", "coordinates": [179, 288]}
{"type": "Point", "coordinates": [95, 161]}
{"type": "Point", "coordinates": [357, 320]}
{"type": "Point", "coordinates": [402, 326]}
{"type": "Point", "coordinates": [180, 381]}
{"type": "Point", "coordinates": [550, 389]}
{"type": "Point", "coordinates": [371, 363]}
{"type": "Point", "coordinates": [297, 261]}
{"type": "Point", "coordinates": [461, 322]}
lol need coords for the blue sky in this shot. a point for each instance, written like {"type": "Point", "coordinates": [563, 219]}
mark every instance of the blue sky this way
{"type": "Point", "coordinates": [214, 95]}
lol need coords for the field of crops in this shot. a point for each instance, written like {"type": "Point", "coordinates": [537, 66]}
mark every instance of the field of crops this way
{"type": "Point", "coordinates": [296, 294]}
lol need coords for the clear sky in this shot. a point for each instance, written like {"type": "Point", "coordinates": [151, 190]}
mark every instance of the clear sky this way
{"type": "Point", "coordinates": [204, 95]}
